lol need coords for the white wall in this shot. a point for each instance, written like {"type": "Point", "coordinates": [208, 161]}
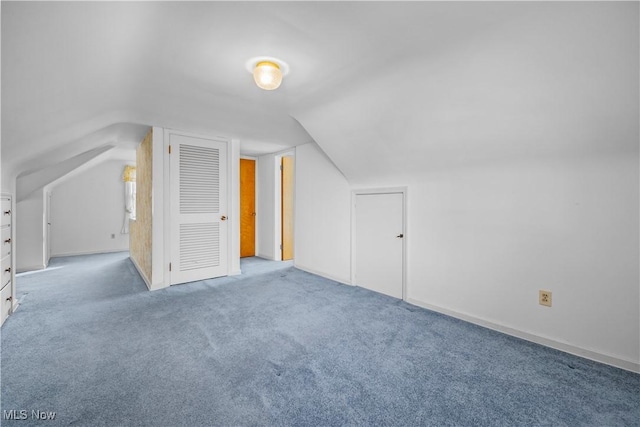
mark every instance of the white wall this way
{"type": "Point", "coordinates": [520, 152]}
{"type": "Point", "coordinates": [87, 210]}
{"type": "Point", "coordinates": [29, 222]}
{"type": "Point", "coordinates": [234, 207]}
{"type": "Point", "coordinates": [482, 243]}
{"type": "Point", "coordinates": [8, 182]}
{"type": "Point", "coordinates": [322, 216]}
{"type": "Point", "coordinates": [161, 210]}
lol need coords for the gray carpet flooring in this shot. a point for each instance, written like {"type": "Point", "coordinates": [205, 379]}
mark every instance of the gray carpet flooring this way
{"type": "Point", "coordinates": [275, 347]}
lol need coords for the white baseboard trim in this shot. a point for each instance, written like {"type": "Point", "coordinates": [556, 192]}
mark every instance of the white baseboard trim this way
{"type": "Point", "coordinates": [108, 251]}
{"type": "Point", "coordinates": [144, 277]}
{"type": "Point", "coordinates": [270, 258]}
{"type": "Point", "coordinates": [547, 342]}
{"type": "Point", "coordinates": [235, 273]}
{"type": "Point", "coordinates": [24, 269]}
{"type": "Point", "coordinates": [318, 273]}
{"type": "Point", "coordinates": [156, 287]}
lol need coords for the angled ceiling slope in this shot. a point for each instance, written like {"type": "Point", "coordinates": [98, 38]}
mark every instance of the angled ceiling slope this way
{"type": "Point", "coordinates": [72, 69]}
{"type": "Point", "coordinates": [536, 81]}
{"type": "Point", "coordinates": [383, 87]}
{"type": "Point", "coordinates": [29, 183]}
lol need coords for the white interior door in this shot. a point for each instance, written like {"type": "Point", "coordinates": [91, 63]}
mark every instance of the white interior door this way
{"type": "Point", "coordinates": [379, 248]}
{"type": "Point", "coordinates": [198, 188]}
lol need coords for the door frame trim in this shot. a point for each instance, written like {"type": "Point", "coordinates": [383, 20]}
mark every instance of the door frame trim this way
{"type": "Point", "coordinates": [231, 208]}
{"type": "Point", "coordinates": [380, 190]}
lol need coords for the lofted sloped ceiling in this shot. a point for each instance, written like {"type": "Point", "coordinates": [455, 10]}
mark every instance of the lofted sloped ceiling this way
{"type": "Point", "coordinates": [542, 81]}
{"type": "Point", "coordinates": [382, 87]}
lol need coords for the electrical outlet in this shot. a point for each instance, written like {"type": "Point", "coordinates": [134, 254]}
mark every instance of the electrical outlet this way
{"type": "Point", "coordinates": [544, 298]}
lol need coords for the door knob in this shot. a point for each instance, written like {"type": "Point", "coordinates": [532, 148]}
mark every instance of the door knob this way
{"type": "Point", "coordinates": [400, 236]}
{"type": "Point", "coordinates": [223, 218]}
{"type": "Point", "coordinates": [10, 299]}
{"type": "Point", "coordinates": [8, 240]}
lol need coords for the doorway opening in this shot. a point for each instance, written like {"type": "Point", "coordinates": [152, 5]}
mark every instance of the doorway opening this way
{"type": "Point", "coordinates": [267, 197]}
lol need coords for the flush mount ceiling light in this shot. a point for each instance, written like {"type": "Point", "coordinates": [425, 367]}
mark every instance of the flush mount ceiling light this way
{"type": "Point", "coordinates": [267, 72]}
{"type": "Point", "coordinates": [267, 75]}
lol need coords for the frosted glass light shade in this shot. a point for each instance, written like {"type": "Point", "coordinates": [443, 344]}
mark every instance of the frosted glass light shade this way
{"type": "Point", "coordinates": [267, 75]}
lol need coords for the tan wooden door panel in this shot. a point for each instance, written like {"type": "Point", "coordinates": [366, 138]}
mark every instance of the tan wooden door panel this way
{"type": "Point", "coordinates": [247, 207]}
{"type": "Point", "coordinates": [287, 208]}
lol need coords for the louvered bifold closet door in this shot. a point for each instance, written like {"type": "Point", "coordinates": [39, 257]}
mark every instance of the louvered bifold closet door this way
{"type": "Point", "coordinates": [198, 208]}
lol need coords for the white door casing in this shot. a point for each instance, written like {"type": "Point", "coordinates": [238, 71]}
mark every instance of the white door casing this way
{"type": "Point", "coordinates": [379, 242]}
{"type": "Point", "coordinates": [198, 194]}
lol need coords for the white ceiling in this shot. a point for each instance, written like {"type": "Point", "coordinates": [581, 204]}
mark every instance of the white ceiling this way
{"type": "Point", "coordinates": [368, 80]}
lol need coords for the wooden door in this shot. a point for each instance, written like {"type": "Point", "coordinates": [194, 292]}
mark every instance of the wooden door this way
{"type": "Point", "coordinates": [287, 207]}
{"type": "Point", "coordinates": [198, 188]}
{"type": "Point", "coordinates": [379, 248]}
{"type": "Point", "coordinates": [247, 207]}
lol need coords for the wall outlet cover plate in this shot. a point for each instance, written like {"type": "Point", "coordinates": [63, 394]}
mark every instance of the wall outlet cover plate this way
{"type": "Point", "coordinates": [544, 298]}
